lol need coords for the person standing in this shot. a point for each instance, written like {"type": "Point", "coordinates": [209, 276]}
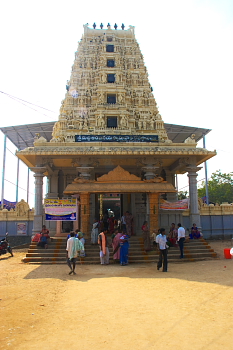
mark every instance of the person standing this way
{"type": "Point", "coordinates": [104, 251]}
{"type": "Point", "coordinates": [105, 220]}
{"type": "Point", "coordinates": [129, 223]}
{"type": "Point", "coordinates": [181, 239]}
{"type": "Point", "coordinates": [146, 236]}
{"type": "Point", "coordinates": [73, 246]}
{"type": "Point", "coordinates": [111, 221]}
{"type": "Point", "coordinates": [82, 240]}
{"type": "Point", "coordinates": [116, 245]}
{"type": "Point", "coordinates": [172, 237]}
{"type": "Point", "coordinates": [124, 252]}
{"type": "Point", "coordinates": [95, 232]}
{"type": "Point", "coordinates": [161, 241]}
{"type": "Point", "coordinates": [123, 223]}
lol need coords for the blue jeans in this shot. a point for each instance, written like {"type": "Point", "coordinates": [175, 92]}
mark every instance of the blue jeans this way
{"type": "Point", "coordinates": [181, 245]}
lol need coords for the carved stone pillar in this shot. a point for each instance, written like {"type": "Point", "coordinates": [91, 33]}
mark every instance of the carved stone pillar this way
{"type": "Point", "coordinates": [85, 171]}
{"type": "Point", "coordinates": [85, 213]}
{"type": "Point", "coordinates": [38, 216]}
{"type": "Point", "coordinates": [193, 196]}
{"type": "Point", "coordinates": [151, 167]}
{"type": "Point", "coordinates": [150, 171]}
{"type": "Point", "coordinates": [154, 211]}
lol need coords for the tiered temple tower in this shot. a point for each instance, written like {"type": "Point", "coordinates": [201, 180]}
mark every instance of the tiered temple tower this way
{"type": "Point", "coordinates": [108, 91]}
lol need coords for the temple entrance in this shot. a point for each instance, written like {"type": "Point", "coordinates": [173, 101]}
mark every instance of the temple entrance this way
{"type": "Point", "coordinates": [110, 207]}
{"type": "Point", "coordinates": [108, 204]}
{"type": "Point", "coordinates": [116, 193]}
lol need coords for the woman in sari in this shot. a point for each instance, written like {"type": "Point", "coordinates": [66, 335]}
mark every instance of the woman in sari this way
{"type": "Point", "coordinates": [124, 252]}
{"type": "Point", "coordinates": [146, 236]}
{"type": "Point", "coordinates": [173, 235]}
{"type": "Point", "coordinates": [116, 245]}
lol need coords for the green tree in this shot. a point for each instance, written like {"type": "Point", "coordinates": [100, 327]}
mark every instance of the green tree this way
{"type": "Point", "coordinates": [220, 188]}
{"type": "Point", "coordinates": [182, 195]}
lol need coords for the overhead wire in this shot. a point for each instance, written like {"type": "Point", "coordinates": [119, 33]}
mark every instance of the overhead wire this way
{"type": "Point", "coordinates": [26, 101]}
{"type": "Point", "coordinates": [19, 100]}
{"type": "Point", "coordinates": [18, 186]}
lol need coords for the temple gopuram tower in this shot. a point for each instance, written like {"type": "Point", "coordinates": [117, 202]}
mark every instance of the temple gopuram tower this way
{"type": "Point", "coordinates": [109, 91]}
{"type": "Point", "coordinates": [109, 147]}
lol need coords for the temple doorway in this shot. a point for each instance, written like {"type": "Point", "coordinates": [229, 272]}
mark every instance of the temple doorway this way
{"type": "Point", "coordinates": [109, 204]}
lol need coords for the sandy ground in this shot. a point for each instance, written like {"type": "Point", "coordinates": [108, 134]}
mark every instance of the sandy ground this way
{"type": "Point", "coordinates": [116, 307]}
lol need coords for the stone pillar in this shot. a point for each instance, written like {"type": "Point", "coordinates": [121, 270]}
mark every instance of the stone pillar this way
{"type": "Point", "coordinates": [76, 223]}
{"type": "Point", "coordinates": [150, 171]}
{"type": "Point", "coordinates": [53, 185]}
{"type": "Point", "coordinates": [58, 227]}
{"type": "Point", "coordinates": [85, 171]}
{"type": "Point", "coordinates": [193, 196]}
{"type": "Point", "coordinates": [38, 216]}
{"type": "Point", "coordinates": [173, 196]}
{"type": "Point", "coordinates": [85, 213]}
{"type": "Point", "coordinates": [154, 211]}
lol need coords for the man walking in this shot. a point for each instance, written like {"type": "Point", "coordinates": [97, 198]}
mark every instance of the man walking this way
{"type": "Point", "coordinates": [181, 239]}
{"type": "Point", "coordinates": [161, 241]}
{"type": "Point", "coordinates": [73, 246]}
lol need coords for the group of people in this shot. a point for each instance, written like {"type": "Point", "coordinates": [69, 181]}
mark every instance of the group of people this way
{"type": "Point", "coordinates": [111, 224]}
{"type": "Point", "coordinates": [161, 241]}
{"type": "Point", "coordinates": [120, 245]}
{"type": "Point", "coordinates": [176, 236]}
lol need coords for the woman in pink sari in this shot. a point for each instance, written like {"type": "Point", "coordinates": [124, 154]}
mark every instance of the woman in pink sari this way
{"type": "Point", "coordinates": [116, 245]}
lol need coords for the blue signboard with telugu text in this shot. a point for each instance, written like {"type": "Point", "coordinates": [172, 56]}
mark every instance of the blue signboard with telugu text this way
{"type": "Point", "coordinates": [116, 138]}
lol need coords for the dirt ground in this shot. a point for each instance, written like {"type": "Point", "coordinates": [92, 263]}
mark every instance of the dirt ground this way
{"type": "Point", "coordinates": [117, 307]}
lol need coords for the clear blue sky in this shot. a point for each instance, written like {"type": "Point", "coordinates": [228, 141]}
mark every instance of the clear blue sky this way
{"type": "Point", "coordinates": [187, 47]}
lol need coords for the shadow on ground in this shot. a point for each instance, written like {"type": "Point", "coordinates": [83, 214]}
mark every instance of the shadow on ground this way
{"type": "Point", "coordinates": [211, 271]}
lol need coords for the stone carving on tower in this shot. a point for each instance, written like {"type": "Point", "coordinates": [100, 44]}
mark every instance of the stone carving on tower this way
{"type": "Point", "coordinates": [108, 91]}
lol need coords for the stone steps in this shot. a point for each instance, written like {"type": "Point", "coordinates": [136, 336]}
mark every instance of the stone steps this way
{"type": "Point", "coordinates": [194, 250]}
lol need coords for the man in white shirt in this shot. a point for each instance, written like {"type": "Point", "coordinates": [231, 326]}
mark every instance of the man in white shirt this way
{"type": "Point", "coordinates": [161, 241]}
{"type": "Point", "coordinates": [181, 239]}
{"type": "Point", "coordinates": [73, 246]}
{"type": "Point", "coordinates": [123, 224]}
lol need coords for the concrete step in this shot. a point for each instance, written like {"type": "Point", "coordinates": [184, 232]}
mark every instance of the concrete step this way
{"type": "Point", "coordinates": [194, 250]}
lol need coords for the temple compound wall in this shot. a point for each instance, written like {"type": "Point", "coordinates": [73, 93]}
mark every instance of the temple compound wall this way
{"type": "Point", "coordinates": [216, 221]}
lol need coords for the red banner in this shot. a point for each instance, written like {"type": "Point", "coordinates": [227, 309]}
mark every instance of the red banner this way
{"type": "Point", "coordinates": [178, 205]}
